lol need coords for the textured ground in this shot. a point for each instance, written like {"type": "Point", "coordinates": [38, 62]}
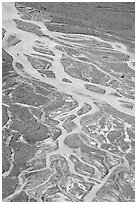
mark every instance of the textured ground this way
{"type": "Point", "coordinates": [68, 77]}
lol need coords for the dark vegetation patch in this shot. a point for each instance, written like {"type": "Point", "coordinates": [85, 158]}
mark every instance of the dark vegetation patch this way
{"type": "Point", "coordinates": [6, 154]}
{"type": "Point", "coordinates": [44, 51]}
{"type": "Point", "coordinates": [8, 186]}
{"type": "Point", "coordinates": [21, 197]}
{"type": "Point", "coordinates": [116, 17]}
{"type": "Point", "coordinates": [3, 33]}
{"type": "Point", "coordinates": [5, 117]}
{"type": "Point", "coordinates": [13, 40]}
{"type": "Point", "coordinates": [48, 73]}
{"type": "Point", "coordinates": [95, 89]}
{"type": "Point", "coordinates": [66, 80]}
{"type": "Point", "coordinates": [7, 69]}
{"type": "Point", "coordinates": [29, 27]}
{"type": "Point", "coordinates": [38, 63]}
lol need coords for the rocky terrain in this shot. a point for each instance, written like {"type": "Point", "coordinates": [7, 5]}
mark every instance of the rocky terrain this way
{"type": "Point", "coordinates": [68, 91]}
